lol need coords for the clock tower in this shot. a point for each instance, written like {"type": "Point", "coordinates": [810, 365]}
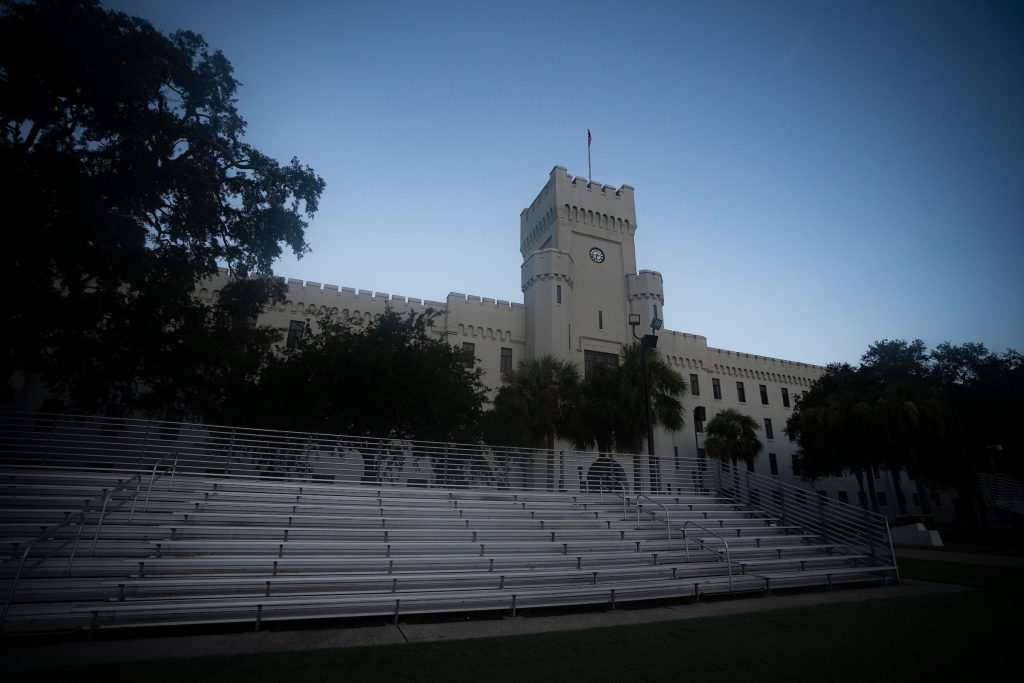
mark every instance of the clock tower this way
{"type": "Point", "coordinates": [579, 273]}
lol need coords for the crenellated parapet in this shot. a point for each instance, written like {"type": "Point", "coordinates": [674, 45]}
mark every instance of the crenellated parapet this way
{"type": "Point", "coordinates": [646, 285]}
{"type": "Point", "coordinates": [547, 265]}
{"type": "Point", "coordinates": [762, 368]}
{"type": "Point", "coordinates": [565, 199]}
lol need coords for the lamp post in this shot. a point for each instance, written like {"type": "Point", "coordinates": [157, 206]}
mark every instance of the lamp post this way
{"type": "Point", "coordinates": [648, 341]}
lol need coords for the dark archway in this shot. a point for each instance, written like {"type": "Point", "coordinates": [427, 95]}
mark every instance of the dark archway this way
{"type": "Point", "coordinates": [606, 475]}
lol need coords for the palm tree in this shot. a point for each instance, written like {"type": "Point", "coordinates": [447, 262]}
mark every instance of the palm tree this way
{"type": "Point", "coordinates": [731, 436]}
{"type": "Point", "coordinates": [539, 401]}
{"type": "Point", "coordinates": [543, 397]}
{"type": "Point", "coordinates": [667, 390]}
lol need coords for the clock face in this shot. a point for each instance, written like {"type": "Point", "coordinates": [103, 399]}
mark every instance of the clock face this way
{"type": "Point", "coordinates": [596, 255]}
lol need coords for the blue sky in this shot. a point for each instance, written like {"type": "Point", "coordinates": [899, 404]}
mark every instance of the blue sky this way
{"type": "Point", "coordinates": [810, 177]}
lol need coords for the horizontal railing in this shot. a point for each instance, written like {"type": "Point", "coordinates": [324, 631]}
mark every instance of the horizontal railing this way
{"type": "Point", "coordinates": [135, 445]}
{"type": "Point", "coordinates": [856, 529]}
{"type": "Point", "coordinates": [60, 441]}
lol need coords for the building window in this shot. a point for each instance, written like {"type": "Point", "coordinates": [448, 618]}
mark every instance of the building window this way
{"type": "Point", "coordinates": [506, 359]}
{"type": "Point", "coordinates": [741, 393]}
{"type": "Point", "coordinates": [654, 310]}
{"type": "Point", "coordinates": [699, 415]}
{"type": "Point", "coordinates": [469, 350]}
{"type": "Point", "coordinates": [844, 497]}
{"type": "Point", "coordinates": [600, 320]}
{"type": "Point", "coordinates": [595, 359]}
{"type": "Point", "coordinates": [694, 385]}
{"type": "Point", "coordinates": [764, 394]}
{"type": "Point", "coordinates": [768, 432]}
{"type": "Point", "coordinates": [558, 294]}
{"type": "Point", "coordinates": [785, 397]}
{"type": "Point", "coordinates": [675, 455]}
{"type": "Point", "coordinates": [295, 330]}
{"type": "Point", "coordinates": [716, 388]}
{"type": "Point", "coordinates": [773, 463]}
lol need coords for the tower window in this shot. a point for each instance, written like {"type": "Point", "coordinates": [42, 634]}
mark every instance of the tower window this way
{"type": "Point", "coordinates": [716, 388]}
{"type": "Point", "coordinates": [741, 393]}
{"type": "Point", "coordinates": [506, 359]}
{"type": "Point", "coordinates": [768, 432]}
{"type": "Point", "coordinates": [694, 385]}
{"type": "Point", "coordinates": [469, 349]}
{"type": "Point", "coordinates": [600, 320]}
{"type": "Point", "coordinates": [558, 294]}
{"type": "Point", "coordinates": [295, 330]}
{"type": "Point", "coordinates": [773, 463]}
{"type": "Point", "coordinates": [785, 397]}
{"type": "Point", "coordinates": [764, 394]}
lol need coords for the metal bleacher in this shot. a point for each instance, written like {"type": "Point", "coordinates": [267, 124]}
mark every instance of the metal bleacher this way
{"type": "Point", "coordinates": [142, 523]}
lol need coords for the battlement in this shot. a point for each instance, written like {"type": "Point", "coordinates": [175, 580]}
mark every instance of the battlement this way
{"type": "Point", "coordinates": [456, 298]}
{"type": "Point", "coordinates": [764, 359]}
{"type": "Point", "coordinates": [686, 336]}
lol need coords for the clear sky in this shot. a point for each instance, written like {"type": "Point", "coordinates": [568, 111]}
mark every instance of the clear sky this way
{"type": "Point", "coordinates": [810, 176]}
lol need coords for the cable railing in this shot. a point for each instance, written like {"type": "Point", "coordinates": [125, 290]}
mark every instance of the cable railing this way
{"type": "Point", "coordinates": [857, 529]}
{"type": "Point", "coordinates": [61, 441]}
{"type": "Point", "coordinates": [135, 445]}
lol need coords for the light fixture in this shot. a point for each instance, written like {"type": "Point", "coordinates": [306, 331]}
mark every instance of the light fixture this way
{"type": "Point", "coordinates": [656, 324]}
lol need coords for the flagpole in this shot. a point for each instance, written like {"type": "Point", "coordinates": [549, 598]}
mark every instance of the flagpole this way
{"type": "Point", "coordinates": [590, 172]}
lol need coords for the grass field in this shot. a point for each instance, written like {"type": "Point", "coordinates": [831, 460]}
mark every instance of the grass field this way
{"type": "Point", "coordinates": [932, 638]}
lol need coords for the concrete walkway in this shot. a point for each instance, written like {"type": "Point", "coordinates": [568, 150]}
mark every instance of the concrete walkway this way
{"type": "Point", "coordinates": [184, 647]}
{"type": "Point", "coordinates": [960, 558]}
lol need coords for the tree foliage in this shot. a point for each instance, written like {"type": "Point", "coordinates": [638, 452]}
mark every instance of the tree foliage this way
{"type": "Point", "coordinates": [932, 414]}
{"type": "Point", "coordinates": [613, 414]}
{"type": "Point", "coordinates": [390, 378]}
{"type": "Point", "coordinates": [126, 180]}
{"type": "Point", "coordinates": [537, 402]}
{"type": "Point", "coordinates": [546, 398]}
{"type": "Point", "coordinates": [731, 436]}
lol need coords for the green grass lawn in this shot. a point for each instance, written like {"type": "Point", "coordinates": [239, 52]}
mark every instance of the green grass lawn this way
{"type": "Point", "coordinates": [928, 638]}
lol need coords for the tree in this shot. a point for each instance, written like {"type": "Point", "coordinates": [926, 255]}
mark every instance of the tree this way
{"type": "Point", "coordinates": [731, 436]}
{"type": "Point", "coordinates": [391, 378]}
{"type": "Point", "coordinates": [540, 400]}
{"type": "Point", "coordinates": [126, 181]}
{"type": "Point", "coordinates": [613, 415]}
{"type": "Point", "coordinates": [906, 409]}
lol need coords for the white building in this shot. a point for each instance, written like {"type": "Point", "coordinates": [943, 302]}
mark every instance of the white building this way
{"type": "Point", "coordinates": [580, 284]}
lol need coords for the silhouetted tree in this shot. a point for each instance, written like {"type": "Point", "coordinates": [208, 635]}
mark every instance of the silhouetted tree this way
{"type": "Point", "coordinates": [391, 378]}
{"type": "Point", "coordinates": [126, 180]}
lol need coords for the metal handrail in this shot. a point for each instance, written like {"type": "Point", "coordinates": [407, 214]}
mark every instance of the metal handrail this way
{"type": "Point", "coordinates": [153, 478]}
{"type": "Point", "coordinates": [81, 518]}
{"type": "Point", "coordinates": [121, 486]}
{"type": "Point", "coordinates": [834, 521]}
{"type": "Point", "coordinates": [686, 543]}
{"type": "Point", "coordinates": [668, 518]}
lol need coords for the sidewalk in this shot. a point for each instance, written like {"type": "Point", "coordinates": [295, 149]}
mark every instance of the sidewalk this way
{"type": "Point", "coordinates": [961, 558]}
{"type": "Point", "coordinates": [184, 647]}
